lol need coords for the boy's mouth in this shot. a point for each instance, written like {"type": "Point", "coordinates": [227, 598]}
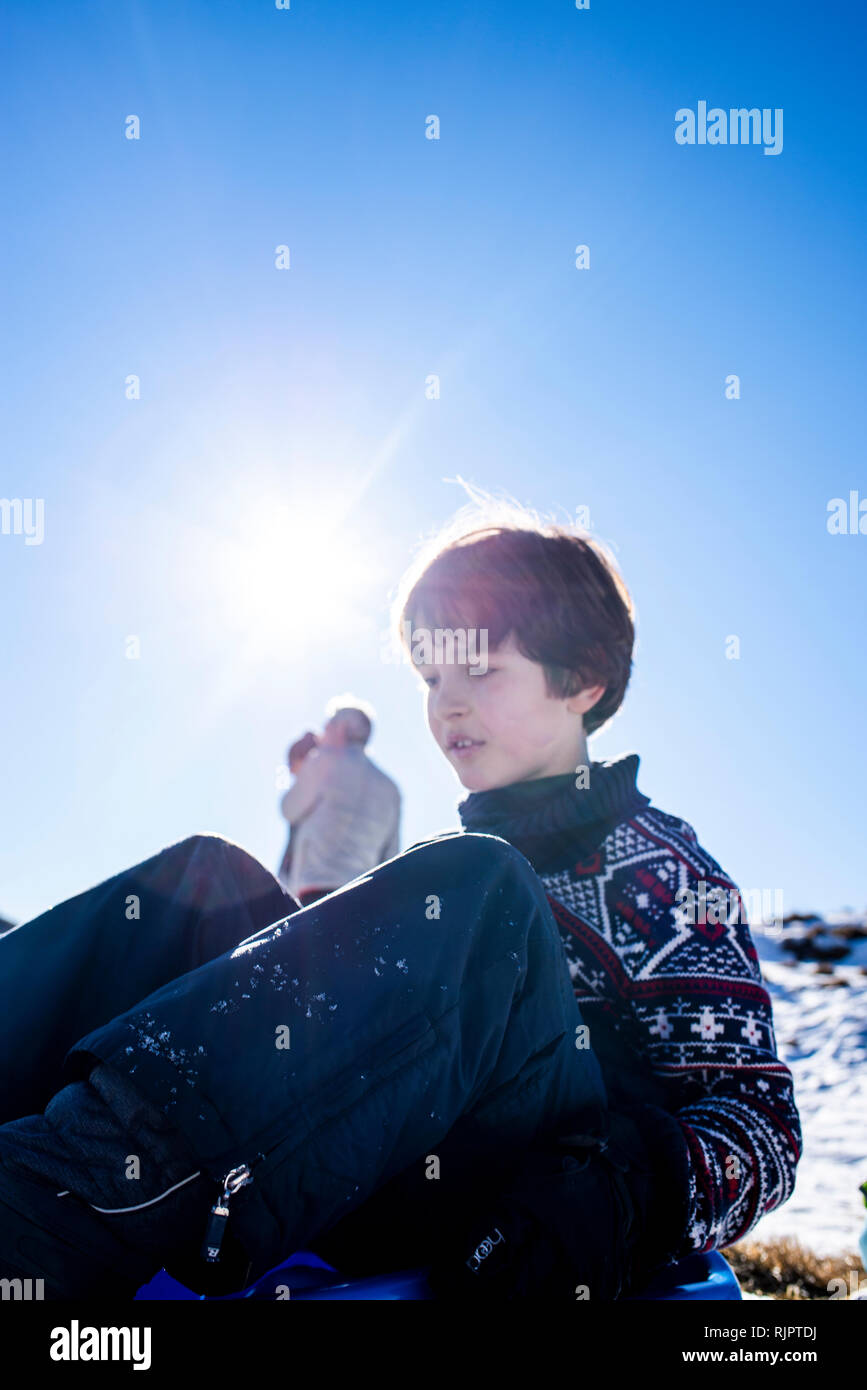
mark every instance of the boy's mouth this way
{"type": "Point", "coordinates": [463, 747]}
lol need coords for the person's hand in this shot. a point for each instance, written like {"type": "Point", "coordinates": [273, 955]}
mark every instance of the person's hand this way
{"type": "Point", "coordinates": [300, 748]}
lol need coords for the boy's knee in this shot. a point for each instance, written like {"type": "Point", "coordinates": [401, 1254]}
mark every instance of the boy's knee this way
{"type": "Point", "coordinates": [479, 860]}
{"type": "Point", "coordinates": [204, 843]}
{"type": "Point", "coordinates": [210, 860]}
{"type": "Point", "coordinates": [211, 849]}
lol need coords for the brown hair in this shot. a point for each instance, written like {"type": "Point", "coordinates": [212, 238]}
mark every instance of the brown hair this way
{"type": "Point", "coordinates": [557, 592]}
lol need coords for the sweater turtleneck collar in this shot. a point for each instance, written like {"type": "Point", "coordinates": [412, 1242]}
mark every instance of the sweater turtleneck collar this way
{"type": "Point", "coordinates": [549, 814]}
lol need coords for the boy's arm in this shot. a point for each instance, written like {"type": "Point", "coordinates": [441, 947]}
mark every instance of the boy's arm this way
{"type": "Point", "coordinates": [708, 1035]}
{"type": "Point", "coordinates": [744, 1140]}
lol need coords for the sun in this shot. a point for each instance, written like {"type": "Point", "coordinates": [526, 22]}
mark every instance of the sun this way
{"type": "Point", "coordinates": [286, 574]}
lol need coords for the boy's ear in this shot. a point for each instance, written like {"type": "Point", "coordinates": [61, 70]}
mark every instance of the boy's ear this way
{"type": "Point", "coordinates": [585, 699]}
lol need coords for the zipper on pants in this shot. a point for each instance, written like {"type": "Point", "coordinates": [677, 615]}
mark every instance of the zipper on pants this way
{"type": "Point", "coordinates": [240, 1176]}
{"type": "Point", "coordinates": [233, 1181]}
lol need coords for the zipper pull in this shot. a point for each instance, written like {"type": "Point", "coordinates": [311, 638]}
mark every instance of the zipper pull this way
{"type": "Point", "coordinates": [216, 1228]}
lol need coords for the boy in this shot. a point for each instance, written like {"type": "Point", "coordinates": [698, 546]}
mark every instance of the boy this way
{"type": "Point", "coordinates": [671, 992]}
{"type": "Point", "coordinates": [421, 1023]}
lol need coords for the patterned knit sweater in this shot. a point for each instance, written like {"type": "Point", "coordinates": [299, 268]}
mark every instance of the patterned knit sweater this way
{"type": "Point", "coordinates": [674, 999]}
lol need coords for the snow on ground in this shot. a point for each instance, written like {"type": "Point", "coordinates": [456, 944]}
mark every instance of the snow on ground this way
{"type": "Point", "coordinates": [821, 1031]}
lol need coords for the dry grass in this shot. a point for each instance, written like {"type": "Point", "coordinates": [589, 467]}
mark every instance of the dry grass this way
{"type": "Point", "coordinates": [785, 1269]}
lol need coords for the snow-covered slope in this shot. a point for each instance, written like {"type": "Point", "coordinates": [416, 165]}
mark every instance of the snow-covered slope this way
{"type": "Point", "coordinates": [821, 1027]}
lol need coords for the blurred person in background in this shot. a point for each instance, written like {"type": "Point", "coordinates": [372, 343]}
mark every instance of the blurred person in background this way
{"type": "Point", "coordinates": [343, 811]}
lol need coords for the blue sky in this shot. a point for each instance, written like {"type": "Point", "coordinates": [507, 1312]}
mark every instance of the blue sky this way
{"type": "Point", "coordinates": [247, 517]}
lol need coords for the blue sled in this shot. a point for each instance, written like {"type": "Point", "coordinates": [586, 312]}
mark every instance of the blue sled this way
{"type": "Point", "coordinates": [304, 1275]}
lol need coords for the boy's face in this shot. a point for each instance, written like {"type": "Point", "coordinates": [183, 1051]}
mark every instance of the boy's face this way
{"type": "Point", "coordinates": [518, 731]}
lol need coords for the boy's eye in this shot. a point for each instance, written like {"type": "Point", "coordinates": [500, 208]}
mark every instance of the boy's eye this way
{"type": "Point", "coordinates": [473, 674]}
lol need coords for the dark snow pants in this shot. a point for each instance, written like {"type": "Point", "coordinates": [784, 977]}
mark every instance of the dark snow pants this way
{"type": "Point", "coordinates": [433, 1029]}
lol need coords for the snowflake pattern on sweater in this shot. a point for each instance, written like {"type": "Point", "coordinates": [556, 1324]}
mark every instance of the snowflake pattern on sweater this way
{"type": "Point", "coordinates": [695, 1009]}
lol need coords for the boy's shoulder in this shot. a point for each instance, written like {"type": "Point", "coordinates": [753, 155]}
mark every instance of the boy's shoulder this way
{"type": "Point", "coordinates": [667, 833]}
{"type": "Point", "coordinates": [663, 901]}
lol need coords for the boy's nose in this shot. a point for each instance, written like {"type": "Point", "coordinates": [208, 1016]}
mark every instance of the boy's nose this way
{"type": "Point", "coordinates": [450, 700]}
